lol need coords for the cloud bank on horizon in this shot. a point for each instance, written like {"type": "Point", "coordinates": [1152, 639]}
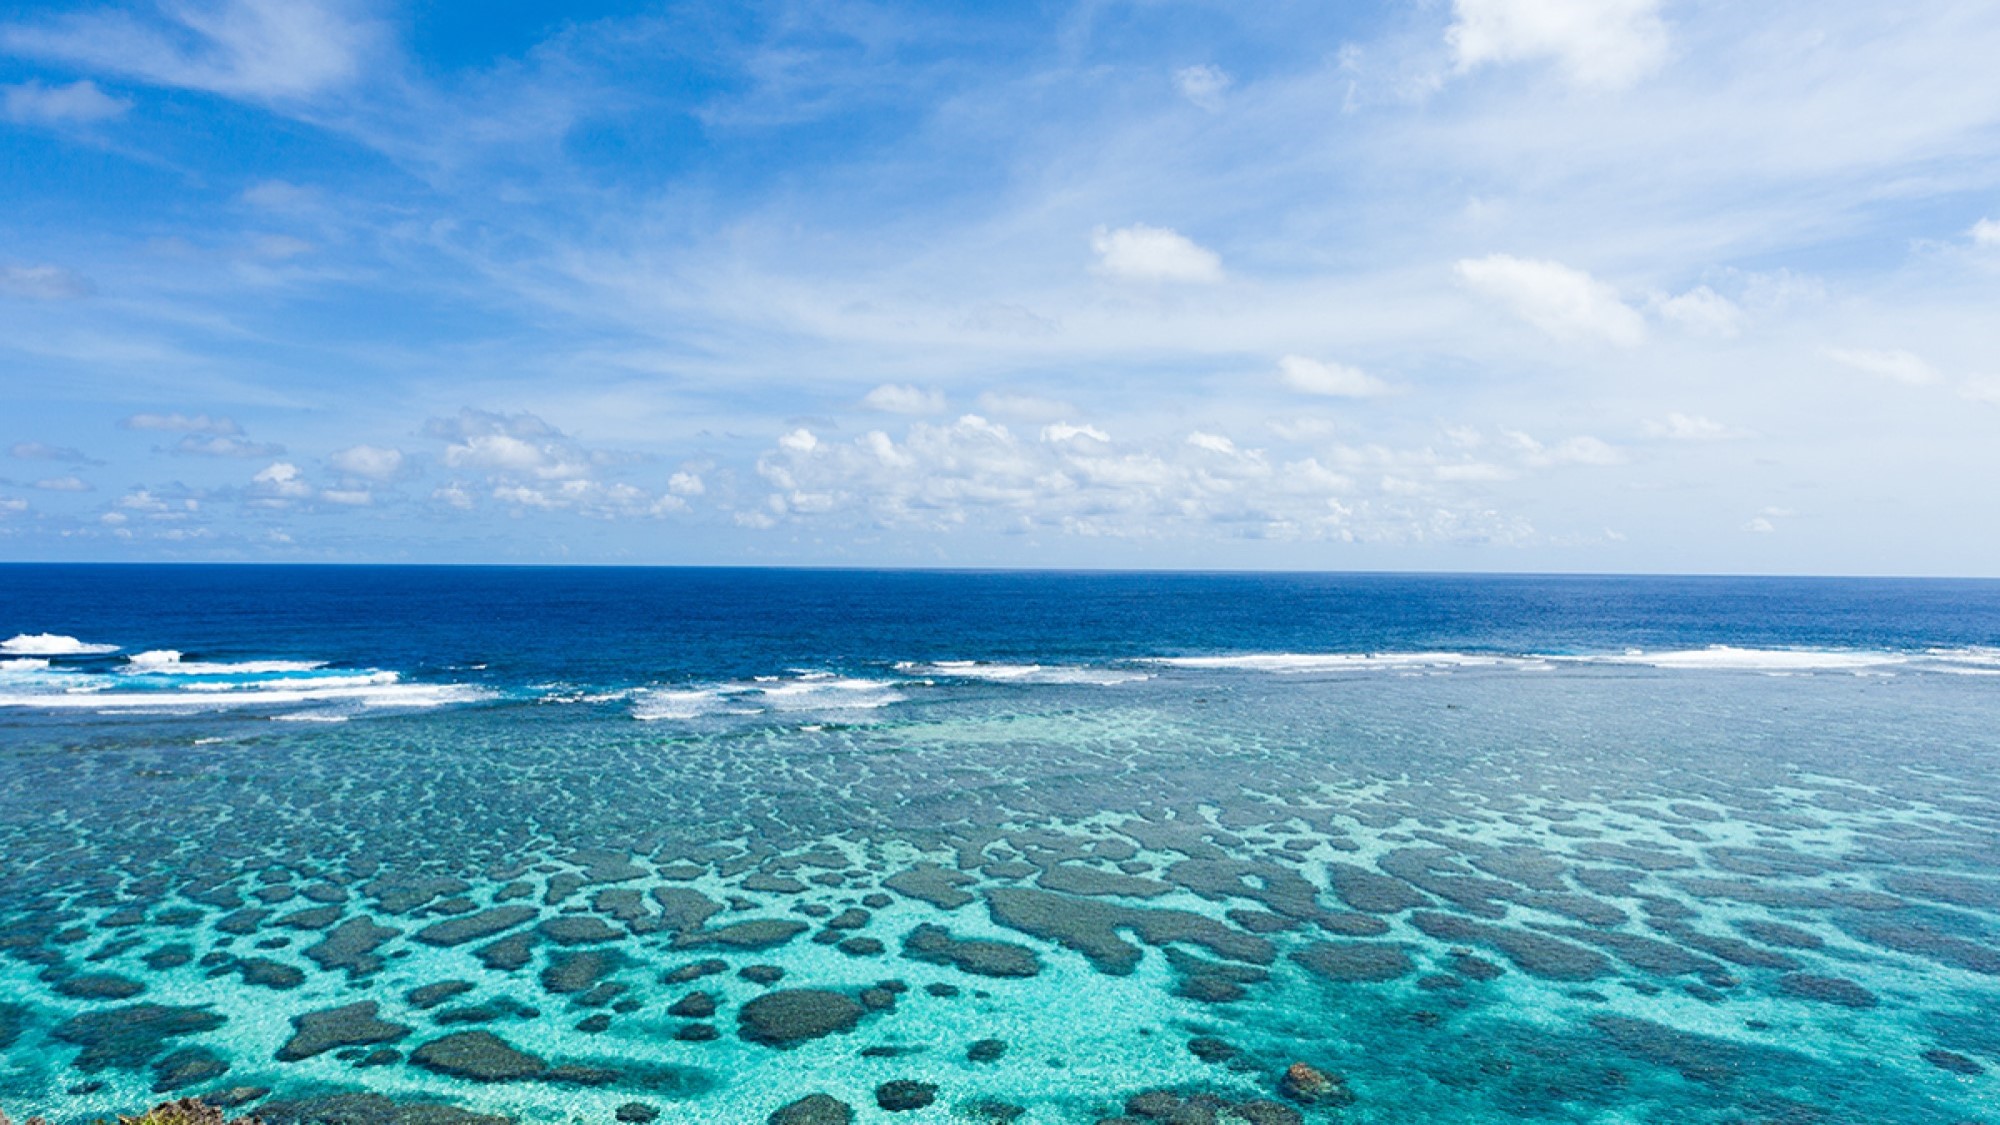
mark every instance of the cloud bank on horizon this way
{"type": "Point", "coordinates": [1479, 284]}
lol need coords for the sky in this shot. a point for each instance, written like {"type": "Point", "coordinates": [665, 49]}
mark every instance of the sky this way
{"type": "Point", "coordinates": [1487, 285]}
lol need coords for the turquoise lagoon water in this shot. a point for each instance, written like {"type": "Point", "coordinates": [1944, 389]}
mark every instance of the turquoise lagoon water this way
{"type": "Point", "coordinates": [361, 844]}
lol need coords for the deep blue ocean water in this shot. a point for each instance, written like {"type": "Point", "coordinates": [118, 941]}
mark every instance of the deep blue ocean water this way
{"type": "Point", "coordinates": [1480, 848]}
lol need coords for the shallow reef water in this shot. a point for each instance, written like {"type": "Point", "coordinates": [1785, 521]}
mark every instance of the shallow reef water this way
{"type": "Point", "coordinates": [1025, 878]}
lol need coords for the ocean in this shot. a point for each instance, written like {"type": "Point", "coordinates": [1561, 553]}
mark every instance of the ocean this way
{"type": "Point", "coordinates": [439, 844]}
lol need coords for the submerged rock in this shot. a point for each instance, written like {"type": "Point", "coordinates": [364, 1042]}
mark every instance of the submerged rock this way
{"type": "Point", "coordinates": [186, 1067]}
{"type": "Point", "coordinates": [352, 946]}
{"type": "Point", "coordinates": [813, 1109]}
{"type": "Point", "coordinates": [757, 933]}
{"type": "Point", "coordinates": [1309, 1085]}
{"type": "Point", "coordinates": [351, 1025]}
{"type": "Point", "coordinates": [130, 1037]}
{"type": "Point", "coordinates": [795, 1015]}
{"type": "Point", "coordinates": [1354, 962]}
{"type": "Point", "coordinates": [930, 883]}
{"type": "Point", "coordinates": [480, 1056]}
{"type": "Point", "coordinates": [472, 927]}
{"type": "Point", "coordinates": [99, 986]}
{"type": "Point", "coordinates": [936, 945]}
{"type": "Point", "coordinates": [903, 1095]}
{"type": "Point", "coordinates": [1093, 928]}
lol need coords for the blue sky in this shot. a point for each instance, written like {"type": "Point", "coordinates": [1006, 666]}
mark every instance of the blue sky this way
{"type": "Point", "coordinates": [1596, 285]}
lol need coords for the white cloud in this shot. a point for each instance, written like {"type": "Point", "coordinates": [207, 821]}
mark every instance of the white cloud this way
{"type": "Point", "coordinates": [1565, 303]}
{"type": "Point", "coordinates": [1075, 480]}
{"type": "Point", "coordinates": [531, 466]}
{"type": "Point", "coordinates": [685, 483]}
{"type": "Point", "coordinates": [42, 451]}
{"type": "Point", "coordinates": [65, 484]}
{"type": "Point", "coordinates": [223, 445]}
{"type": "Point", "coordinates": [800, 440]}
{"type": "Point", "coordinates": [1582, 450]}
{"type": "Point", "coordinates": [79, 103]}
{"type": "Point", "coordinates": [1597, 43]}
{"type": "Point", "coordinates": [901, 398]}
{"type": "Point", "coordinates": [1025, 408]}
{"type": "Point", "coordinates": [1759, 525]}
{"type": "Point", "coordinates": [1985, 232]}
{"type": "Point", "coordinates": [1317, 377]}
{"type": "Point", "coordinates": [1203, 85]}
{"type": "Point", "coordinates": [182, 423]}
{"type": "Point", "coordinates": [1982, 388]}
{"type": "Point", "coordinates": [281, 480]}
{"type": "Point", "coordinates": [44, 283]}
{"type": "Point", "coordinates": [1704, 312]}
{"type": "Point", "coordinates": [373, 462]}
{"type": "Point", "coordinates": [1690, 427]}
{"type": "Point", "coordinates": [1063, 431]}
{"type": "Point", "coordinates": [1896, 365]}
{"type": "Point", "coordinates": [10, 506]}
{"type": "Point", "coordinates": [241, 48]}
{"type": "Point", "coordinates": [1143, 253]}
{"type": "Point", "coordinates": [347, 497]}
{"type": "Point", "coordinates": [510, 445]}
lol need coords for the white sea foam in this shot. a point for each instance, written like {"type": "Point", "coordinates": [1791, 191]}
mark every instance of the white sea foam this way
{"type": "Point", "coordinates": [1714, 658]}
{"type": "Point", "coordinates": [1022, 673]}
{"type": "Point", "coordinates": [162, 681]}
{"type": "Point", "coordinates": [169, 662]}
{"type": "Point", "coordinates": [373, 692]}
{"type": "Point", "coordinates": [800, 692]}
{"type": "Point", "coordinates": [1300, 662]}
{"type": "Point", "coordinates": [51, 644]}
{"type": "Point", "coordinates": [1734, 659]}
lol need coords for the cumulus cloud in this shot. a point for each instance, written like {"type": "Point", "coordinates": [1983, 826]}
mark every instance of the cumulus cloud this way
{"type": "Point", "coordinates": [1985, 232]}
{"type": "Point", "coordinates": [223, 445]}
{"type": "Point", "coordinates": [1704, 312]}
{"type": "Point", "coordinates": [1063, 431]}
{"type": "Point", "coordinates": [519, 445]}
{"type": "Point", "coordinates": [373, 462]}
{"type": "Point", "coordinates": [1317, 377]}
{"type": "Point", "coordinates": [1565, 303]}
{"type": "Point", "coordinates": [79, 103]}
{"type": "Point", "coordinates": [528, 465]}
{"type": "Point", "coordinates": [1896, 365]}
{"type": "Point", "coordinates": [239, 48]}
{"type": "Point", "coordinates": [1203, 85]}
{"type": "Point", "coordinates": [1583, 450]}
{"type": "Point", "coordinates": [1596, 43]}
{"type": "Point", "coordinates": [280, 480]}
{"type": "Point", "coordinates": [65, 484]}
{"type": "Point", "coordinates": [901, 398]}
{"type": "Point", "coordinates": [977, 473]}
{"type": "Point", "coordinates": [1143, 253]}
{"type": "Point", "coordinates": [44, 283]}
{"type": "Point", "coordinates": [182, 423]}
{"type": "Point", "coordinates": [1690, 427]}
{"type": "Point", "coordinates": [12, 506]}
{"type": "Point", "coordinates": [42, 451]}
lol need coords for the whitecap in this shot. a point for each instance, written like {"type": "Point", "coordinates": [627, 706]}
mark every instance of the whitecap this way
{"type": "Point", "coordinates": [806, 692]}
{"type": "Point", "coordinates": [52, 644]}
{"type": "Point", "coordinates": [171, 662]}
{"type": "Point", "coordinates": [1302, 662]}
{"type": "Point", "coordinates": [1731, 658]}
{"type": "Point", "coordinates": [1000, 673]}
{"type": "Point", "coordinates": [24, 664]}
